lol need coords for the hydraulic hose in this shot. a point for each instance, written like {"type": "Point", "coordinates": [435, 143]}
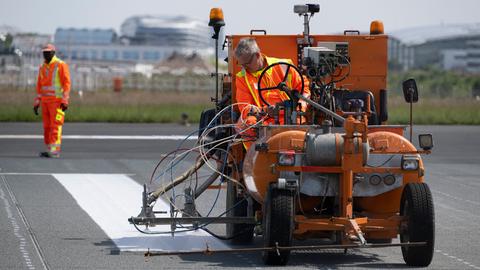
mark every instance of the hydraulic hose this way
{"type": "Point", "coordinates": [163, 189]}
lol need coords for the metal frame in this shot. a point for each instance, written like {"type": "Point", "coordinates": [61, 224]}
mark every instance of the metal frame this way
{"type": "Point", "coordinates": [208, 251]}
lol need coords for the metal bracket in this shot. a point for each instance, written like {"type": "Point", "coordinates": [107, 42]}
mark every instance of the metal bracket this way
{"type": "Point", "coordinates": [283, 183]}
{"type": "Point", "coordinates": [358, 232]}
{"type": "Point", "coordinates": [300, 45]}
{"type": "Point", "coordinates": [261, 147]}
{"type": "Point", "coordinates": [147, 210]}
{"type": "Point", "coordinates": [189, 206]}
{"type": "Point", "coordinates": [281, 248]}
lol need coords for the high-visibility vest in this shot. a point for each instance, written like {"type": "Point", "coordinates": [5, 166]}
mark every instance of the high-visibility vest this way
{"type": "Point", "coordinates": [251, 79]}
{"type": "Point", "coordinates": [271, 78]}
{"type": "Point", "coordinates": [53, 81]}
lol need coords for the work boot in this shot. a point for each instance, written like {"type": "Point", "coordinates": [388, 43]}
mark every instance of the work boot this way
{"type": "Point", "coordinates": [49, 155]}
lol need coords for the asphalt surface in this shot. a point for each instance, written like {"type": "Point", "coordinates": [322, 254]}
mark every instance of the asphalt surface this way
{"type": "Point", "coordinates": [43, 227]}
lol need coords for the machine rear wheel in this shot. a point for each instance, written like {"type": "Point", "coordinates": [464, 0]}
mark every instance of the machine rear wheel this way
{"type": "Point", "coordinates": [278, 224]}
{"type": "Point", "coordinates": [417, 207]}
{"type": "Point", "coordinates": [239, 233]}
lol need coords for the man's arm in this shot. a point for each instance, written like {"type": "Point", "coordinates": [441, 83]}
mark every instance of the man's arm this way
{"type": "Point", "coordinates": [36, 101]}
{"type": "Point", "coordinates": [65, 81]}
{"type": "Point", "coordinates": [297, 84]}
{"type": "Point", "coordinates": [243, 96]}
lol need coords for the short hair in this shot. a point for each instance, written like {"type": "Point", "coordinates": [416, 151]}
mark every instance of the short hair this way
{"type": "Point", "coordinates": [246, 46]}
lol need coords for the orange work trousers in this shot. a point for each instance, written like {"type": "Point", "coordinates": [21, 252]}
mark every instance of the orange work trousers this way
{"type": "Point", "coordinates": [53, 118]}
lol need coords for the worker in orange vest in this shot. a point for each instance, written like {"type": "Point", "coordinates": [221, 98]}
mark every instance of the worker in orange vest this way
{"type": "Point", "coordinates": [253, 62]}
{"type": "Point", "coordinates": [53, 92]}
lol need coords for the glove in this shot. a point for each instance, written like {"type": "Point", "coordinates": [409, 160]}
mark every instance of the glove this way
{"type": "Point", "coordinates": [35, 109]}
{"type": "Point", "coordinates": [250, 121]}
{"type": "Point", "coordinates": [63, 106]}
{"type": "Point", "coordinates": [242, 126]}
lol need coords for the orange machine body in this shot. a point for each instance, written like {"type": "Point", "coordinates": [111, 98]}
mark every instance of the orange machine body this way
{"type": "Point", "coordinates": [368, 57]}
{"type": "Point", "coordinates": [367, 72]}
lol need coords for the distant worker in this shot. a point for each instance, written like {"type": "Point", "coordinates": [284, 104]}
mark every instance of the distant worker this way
{"type": "Point", "coordinates": [253, 62]}
{"type": "Point", "coordinates": [53, 92]}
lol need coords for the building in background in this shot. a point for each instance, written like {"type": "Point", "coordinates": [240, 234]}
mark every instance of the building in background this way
{"type": "Point", "coordinates": [145, 46]}
{"type": "Point", "coordinates": [450, 47]}
{"type": "Point", "coordinates": [20, 56]}
{"type": "Point", "coordinates": [167, 31]}
{"type": "Point", "coordinates": [7, 51]}
{"type": "Point", "coordinates": [97, 57]}
{"type": "Point", "coordinates": [143, 39]}
{"type": "Point", "coordinates": [29, 47]}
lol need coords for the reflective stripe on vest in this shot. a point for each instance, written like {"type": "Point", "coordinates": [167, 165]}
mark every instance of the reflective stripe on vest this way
{"type": "Point", "coordinates": [55, 87]}
{"type": "Point", "coordinates": [252, 93]}
{"type": "Point", "coordinates": [56, 82]}
{"type": "Point", "coordinates": [270, 61]}
{"type": "Point", "coordinates": [48, 94]}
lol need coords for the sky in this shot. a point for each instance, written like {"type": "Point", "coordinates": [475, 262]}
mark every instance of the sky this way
{"type": "Point", "coordinates": [276, 17]}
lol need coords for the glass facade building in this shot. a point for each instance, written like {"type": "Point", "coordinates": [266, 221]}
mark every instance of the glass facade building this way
{"type": "Point", "coordinates": [85, 36]}
{"type": "Point", "coordinates": [144, 39]}
{"type": "Point", "coordinates": [178, 31]}
{"type": "Point", "coordinates": [444, 46]}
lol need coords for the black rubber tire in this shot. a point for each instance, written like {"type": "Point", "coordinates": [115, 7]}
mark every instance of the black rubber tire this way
{"type": "Point", "coordinates": [417, 206]}
{"type": "Point", "coordinates": [278, 224]}
{"type": "Point", "coordinates": [241, 233]}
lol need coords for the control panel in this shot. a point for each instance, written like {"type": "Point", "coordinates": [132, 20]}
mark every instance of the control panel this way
{"type": "Point", "coordinates": [341, 49]}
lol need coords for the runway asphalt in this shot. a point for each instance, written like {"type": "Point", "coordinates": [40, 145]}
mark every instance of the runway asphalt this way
{"type": "Point", "coordinates": [71, 212]}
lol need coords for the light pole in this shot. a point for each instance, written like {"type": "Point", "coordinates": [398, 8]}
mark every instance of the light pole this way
{"type": "Point", "coordinates": [216, 21]}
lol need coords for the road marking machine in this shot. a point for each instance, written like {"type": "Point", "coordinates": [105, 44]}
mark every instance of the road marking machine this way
{"type": "Point", "coordinates": [335, 172]}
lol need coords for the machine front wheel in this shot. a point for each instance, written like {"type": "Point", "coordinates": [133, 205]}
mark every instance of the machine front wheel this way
{"type": "Point", "coordinates": [278, 224]}
{"type": "Point", "coordinates": [417, 207]}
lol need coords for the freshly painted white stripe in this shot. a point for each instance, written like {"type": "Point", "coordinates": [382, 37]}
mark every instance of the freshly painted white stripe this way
{"type": "Point", "coordinates": [111, 199]}
{"type": "Point", "coordinates": [106, 137]}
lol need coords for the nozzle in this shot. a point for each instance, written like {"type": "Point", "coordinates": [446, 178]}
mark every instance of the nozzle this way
{"type": "Point", "coordinates": [147, 210]}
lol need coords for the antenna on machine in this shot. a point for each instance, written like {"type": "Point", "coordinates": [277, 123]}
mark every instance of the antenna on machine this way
{"type": "Point", "coordinates": [307, 11]}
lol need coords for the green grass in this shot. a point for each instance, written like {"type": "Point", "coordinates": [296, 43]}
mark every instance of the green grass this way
{"type": "Point", "coordinates": [456, 113]}
{"type": "Point", "coordinates": [167, 107]}
{"type": "Point", "coordinates": [438, 112]}
{"type": "Point", "coordinates": [105, 106]}
{"type": "Point", "coordinates": [165, 113]}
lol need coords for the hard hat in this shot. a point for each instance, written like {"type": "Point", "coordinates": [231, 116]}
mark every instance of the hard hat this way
{"type": "Point", "coordinates": [48, 48]}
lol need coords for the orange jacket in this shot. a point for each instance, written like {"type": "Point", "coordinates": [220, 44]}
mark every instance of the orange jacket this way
{"type": "Point", "coordinates": [246, 87]}
{"type": "Point", "coordinates": [53, 83]}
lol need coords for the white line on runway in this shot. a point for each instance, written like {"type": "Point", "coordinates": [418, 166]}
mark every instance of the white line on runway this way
{"type": "Point", "coordinates": [17, 173]}
{"type": "Point", "coordinates": [457, 259]}
{"type": "Point", "coordinates": [456, 198]}
{"type": "Point", "coordinates": [111, 199]}
{"type": "Point", "coordinates": [107, 137]}
{"type": "Point", "coordinates": [16, 228]}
